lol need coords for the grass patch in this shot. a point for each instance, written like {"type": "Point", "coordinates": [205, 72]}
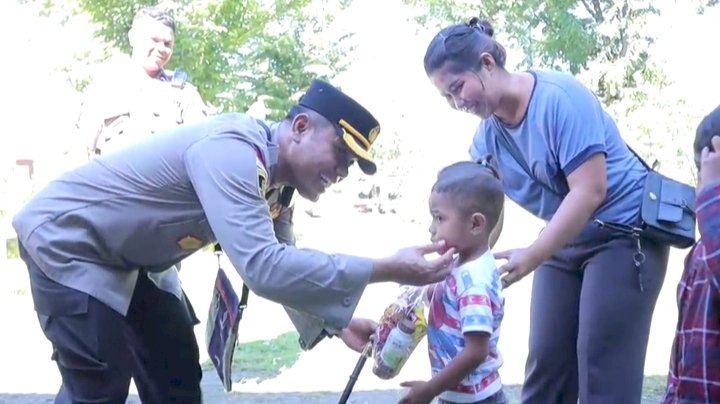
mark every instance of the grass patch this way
{"type": "Point", "coordinates": [654, 388]}
{"type": "Point", "coordinates": [264, 359]}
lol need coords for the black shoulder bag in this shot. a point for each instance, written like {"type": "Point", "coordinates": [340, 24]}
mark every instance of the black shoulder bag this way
{"type": "Point", "coordinates": [667, 210]}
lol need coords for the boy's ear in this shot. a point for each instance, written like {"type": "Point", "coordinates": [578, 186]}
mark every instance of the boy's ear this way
{"type": "Point", "coordinates": [478, 223]}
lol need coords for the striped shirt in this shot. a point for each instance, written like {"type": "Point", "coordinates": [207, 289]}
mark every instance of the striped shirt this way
{"type": "Point", "coordinates": [695, 360]}
{"type": "Point", "coordinates": [469, 300]}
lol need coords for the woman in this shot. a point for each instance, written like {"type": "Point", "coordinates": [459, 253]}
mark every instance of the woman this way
{"type": "Point", "coordinates": [562, 158]}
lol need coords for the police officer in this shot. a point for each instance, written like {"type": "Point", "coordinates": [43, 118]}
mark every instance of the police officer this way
{"type": "Point", "coordinates": [85, 236]}
{"type": "Point", "coordinates": [134, 97]}
{"type": "Point", "coordinates": [137, 97]}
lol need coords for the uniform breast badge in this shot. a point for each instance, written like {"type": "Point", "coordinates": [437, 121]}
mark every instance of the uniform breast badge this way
{"type": "Point", "coordinates": [189, 243]}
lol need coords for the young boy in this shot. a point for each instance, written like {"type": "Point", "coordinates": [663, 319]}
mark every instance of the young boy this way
{"type": "Point", "coordinates": [466, 309]}
{"type": "Point", "coordinates": [695, 361]}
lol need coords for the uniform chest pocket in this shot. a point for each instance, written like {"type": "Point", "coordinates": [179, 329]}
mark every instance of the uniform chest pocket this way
{"type": "Point", "coordinates": [168, 243]}
{"type": "Point", "coordinates": [187, 234]}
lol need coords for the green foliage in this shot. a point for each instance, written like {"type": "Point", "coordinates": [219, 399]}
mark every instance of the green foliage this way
{"type": "Point", "coordinates": [266, 358]}
{"type": "Point", "coordinates": [610, 38]}
{"type": "Point", "coordinates": [608, 44]}
{"type": "Point", "coordinates": [235, 52]}
{"type": "Point", "coordinates": [12, 248]}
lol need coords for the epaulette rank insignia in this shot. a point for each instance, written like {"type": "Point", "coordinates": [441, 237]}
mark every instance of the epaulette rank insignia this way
{"type": "Point", "coordinates": [262, 178]}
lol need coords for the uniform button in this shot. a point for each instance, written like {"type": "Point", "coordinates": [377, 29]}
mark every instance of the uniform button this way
{"type": "Point", "coordinates": [346, 301]}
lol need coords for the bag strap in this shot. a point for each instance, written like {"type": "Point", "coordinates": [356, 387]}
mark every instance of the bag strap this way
{"type": "Point", "coordinates": [509, 144]}
{"type": "Point", "coordinates": [245, 290]}
{"type": "Point", "coordinates": [506, 140]}
{"type": "Point", "coordinates": [644, 163]}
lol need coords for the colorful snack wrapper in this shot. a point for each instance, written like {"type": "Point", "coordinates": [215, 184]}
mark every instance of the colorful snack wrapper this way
{"type": "Point", "coordinates": [400, 329]}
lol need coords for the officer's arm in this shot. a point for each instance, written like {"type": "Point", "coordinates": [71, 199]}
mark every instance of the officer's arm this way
{"type": "Point", "coordinates": [223, 172]}
{"type": "Point", "coordinates": [310, 328]}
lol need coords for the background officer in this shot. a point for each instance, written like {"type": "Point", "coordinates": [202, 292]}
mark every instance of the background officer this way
{"type": "Point", "coordinates": [86, 235]}
{"type": "Point", "coordinates": [135, 97]}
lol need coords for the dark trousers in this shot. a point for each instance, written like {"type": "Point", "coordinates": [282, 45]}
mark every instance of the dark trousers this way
{"type": "Point", "coordinates": [589, 322]}
{"type": "Point", "coordinates": [98, 351]}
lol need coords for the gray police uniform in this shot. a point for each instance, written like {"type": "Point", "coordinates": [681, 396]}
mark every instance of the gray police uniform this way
{"type": "Point", "coordinates": [157, 201]}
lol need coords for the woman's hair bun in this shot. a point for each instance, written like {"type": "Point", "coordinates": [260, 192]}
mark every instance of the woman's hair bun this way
{"type": "Point", "coordinates": [482, 25]}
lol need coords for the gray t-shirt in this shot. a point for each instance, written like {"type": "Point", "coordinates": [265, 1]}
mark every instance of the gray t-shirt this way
{"type": "Point", "coordinates": [564, 126]}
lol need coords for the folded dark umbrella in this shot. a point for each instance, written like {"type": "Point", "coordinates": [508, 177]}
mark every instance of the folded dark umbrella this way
{"type": "Point", "coordinates": [367, 351]}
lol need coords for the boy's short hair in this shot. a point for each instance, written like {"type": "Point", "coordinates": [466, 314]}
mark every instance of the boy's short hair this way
{"type": "Point", "coordinates": [709, 127]}
{"type": "Point", "coordinates": [476, 187]}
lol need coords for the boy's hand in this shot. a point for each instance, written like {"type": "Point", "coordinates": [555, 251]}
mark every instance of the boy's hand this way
{"type": "Point", "coordinates": [710, 164]}
{"type": "Point", "coordinates": [358, 333]}
{"type": "Point", "coordinates": [419, 393]}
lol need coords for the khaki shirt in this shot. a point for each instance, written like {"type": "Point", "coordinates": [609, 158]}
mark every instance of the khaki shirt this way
{"type": "Point", "coordinates": [123, 104]}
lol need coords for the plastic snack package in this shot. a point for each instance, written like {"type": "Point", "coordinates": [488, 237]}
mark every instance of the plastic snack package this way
{"type": "Point", "coordinates": [402, 326]}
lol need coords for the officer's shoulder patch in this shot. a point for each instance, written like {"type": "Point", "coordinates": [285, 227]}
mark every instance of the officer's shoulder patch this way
{"type": "Point", "coordinates": [178, 78]}
{"type": "Point", "coordinates": [262, 177]}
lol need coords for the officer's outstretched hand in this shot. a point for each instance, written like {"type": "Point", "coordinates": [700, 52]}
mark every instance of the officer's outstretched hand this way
{"type": "Point", "coordinates": [409, 266]}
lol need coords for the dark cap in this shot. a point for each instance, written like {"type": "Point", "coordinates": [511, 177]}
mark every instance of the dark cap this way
{"type": "Point", "coordinates": [358, 128]}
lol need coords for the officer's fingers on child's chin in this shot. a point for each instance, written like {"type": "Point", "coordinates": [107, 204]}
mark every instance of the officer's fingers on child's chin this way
{"type": "Point", "coordinates": [448, 254]}
{"type": "Point", "coordinates": [443, 261]}
{"type": "Point", "coordinates": [437, 247]}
